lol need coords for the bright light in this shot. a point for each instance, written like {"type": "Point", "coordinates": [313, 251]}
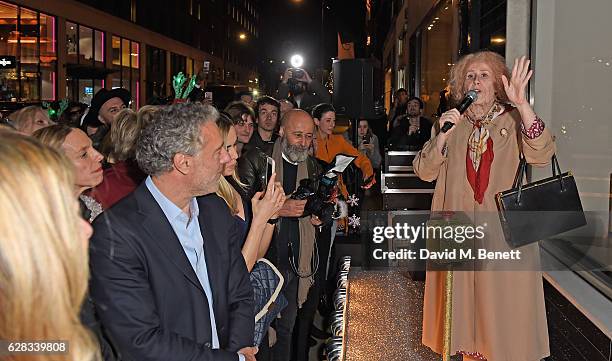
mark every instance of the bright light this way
{"type": "Point", "coordinates": [297, 61]}
{"type": "Point", "coordinates": [242, 36]}
{"type": "Point", "coordinates": [255, 92]}
{"type": "Point", "coordinates": [498, 40]}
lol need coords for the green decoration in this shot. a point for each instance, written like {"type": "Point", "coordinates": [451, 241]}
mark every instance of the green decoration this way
{"type": "Point", "coordinates": [190, 87]}
{"type": "Point", "coordinates": [64, 103]}
{"type": "Point", "coordinates": [178, 81]}
{"type": "Point", "coordinates": [54, 113]}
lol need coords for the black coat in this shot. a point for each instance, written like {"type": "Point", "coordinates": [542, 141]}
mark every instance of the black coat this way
{"type": "Point", "coordinates": [147, 294]}
{"type": "Point", "coordinates": [400, 140]}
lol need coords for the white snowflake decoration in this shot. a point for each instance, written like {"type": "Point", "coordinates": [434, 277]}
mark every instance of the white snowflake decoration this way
{"type": "Point", "coordinates": [353, 200]}
{"type": "Point", "coordinates": [354, 221]}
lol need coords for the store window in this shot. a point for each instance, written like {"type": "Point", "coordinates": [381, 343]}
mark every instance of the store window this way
{"type": "Point", "coordinates": [439, 49]}
{"type": "Point", "coordinates": [178, 63]}
{"type": "Point", "coordinates": [571, 92]}
{"type": "Point", "coordinates": [85, 70]}
{"type": "Point", "coordinates": [28, 58]}
{"type": "Point", "coordinates": [84, 45]}
{"type": "Point", "coordinates": [126, 65]}
{"type": "Point", "coordinates": [156, 73]}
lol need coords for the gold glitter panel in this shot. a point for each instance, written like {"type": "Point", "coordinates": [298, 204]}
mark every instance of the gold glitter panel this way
{"type": "Point", "coordinates": [384, 316]}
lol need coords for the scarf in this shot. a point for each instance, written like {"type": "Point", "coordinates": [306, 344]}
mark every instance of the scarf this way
{"type": "Point", "coordinates": [480, 155]}
{"type": "Point", "coordinates": [307, 230]}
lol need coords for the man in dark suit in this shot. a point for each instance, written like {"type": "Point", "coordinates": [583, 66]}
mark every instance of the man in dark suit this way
{"type": "Point", "coordinates": [168, 278]}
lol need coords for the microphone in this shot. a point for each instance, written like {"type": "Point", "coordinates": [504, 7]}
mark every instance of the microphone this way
{"type": "Point", "coordinates": [469, 98]}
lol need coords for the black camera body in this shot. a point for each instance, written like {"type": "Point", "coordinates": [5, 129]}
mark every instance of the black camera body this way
{"type": "Point", "coordinates": [297, 73]}
{"type": "Point", "coordinates": [294, 82]}
{"type": "Point", "coordinates": [318, 202]}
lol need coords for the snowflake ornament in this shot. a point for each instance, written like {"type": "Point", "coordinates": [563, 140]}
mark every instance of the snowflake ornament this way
{"type": "Point", "coordinates": [354, 221]}
{"type": "Point", "coordinates": [353, 200]}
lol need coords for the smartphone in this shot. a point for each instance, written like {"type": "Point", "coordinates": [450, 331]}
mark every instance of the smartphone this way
{"type": "Point", "coordinates": [365, 139]}
{"type": "Point", "coordinates": [270, 167]}
{"type": "Point", "coordinates": [208, 96]}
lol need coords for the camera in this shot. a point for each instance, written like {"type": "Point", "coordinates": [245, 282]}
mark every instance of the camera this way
{"type": "Point", "coordinates": [319, 202]}
{"type": "Point", "coordinates": [297, 73]}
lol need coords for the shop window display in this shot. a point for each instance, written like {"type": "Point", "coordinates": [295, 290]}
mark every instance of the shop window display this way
{"type": "Point", "coordinates": [28, 45]}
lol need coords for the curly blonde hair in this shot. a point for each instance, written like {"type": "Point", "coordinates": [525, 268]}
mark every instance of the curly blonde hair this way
{"type": "Point", "coordinates": [496, 62]}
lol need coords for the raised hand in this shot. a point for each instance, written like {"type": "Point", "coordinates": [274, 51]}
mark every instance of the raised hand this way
{"type": "Point", "coordinates": [515, 88]}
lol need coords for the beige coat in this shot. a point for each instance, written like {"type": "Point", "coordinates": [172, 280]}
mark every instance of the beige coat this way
{"type": "Point", "coordinates": [499, 314]}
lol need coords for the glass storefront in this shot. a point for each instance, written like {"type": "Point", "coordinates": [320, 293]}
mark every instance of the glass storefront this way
{"type": "Point", "coordinates": [126, 63]}
{"type": "Point", "coordinates": [156, 73]}
{"type": "Point", "coordinates": [85, 70]}
{"type": "Point", "coordinates": [438, 51]}
{"type": "Point", "coordinates": [28, 47]}
{"type": "Point", "coordinates": [571, 91]}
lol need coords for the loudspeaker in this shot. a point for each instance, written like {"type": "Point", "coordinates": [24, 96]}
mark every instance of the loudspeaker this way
{"type": "Point", "coordinates": [355, 81]}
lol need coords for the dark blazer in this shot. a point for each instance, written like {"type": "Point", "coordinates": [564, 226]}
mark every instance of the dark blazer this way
{"type": "Point", "coordinates": [148, 295]}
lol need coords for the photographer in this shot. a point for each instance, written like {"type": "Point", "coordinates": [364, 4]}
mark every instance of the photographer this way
{"type": "Point", "coordinates": [367, 143]}
{"type": "Point", "coordinates": [410, 131]}
{"type": "Point", "coordinates": [292, 249]}
{"type": "Point", "coordinates": [297, 85]}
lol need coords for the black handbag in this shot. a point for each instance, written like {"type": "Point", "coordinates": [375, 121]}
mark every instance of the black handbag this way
{"type": "Point", "coordinates": [535, 211]}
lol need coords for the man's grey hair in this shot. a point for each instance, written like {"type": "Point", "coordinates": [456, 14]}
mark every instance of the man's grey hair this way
{"type": "Point", "coordinates": [174, 129]}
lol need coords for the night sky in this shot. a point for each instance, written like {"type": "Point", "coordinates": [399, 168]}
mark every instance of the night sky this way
{"type": "Point", "coordinates": [289, 27]}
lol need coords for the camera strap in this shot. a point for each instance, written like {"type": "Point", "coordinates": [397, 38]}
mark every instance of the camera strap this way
{"type": "Point", "coordinates": [314, 262]}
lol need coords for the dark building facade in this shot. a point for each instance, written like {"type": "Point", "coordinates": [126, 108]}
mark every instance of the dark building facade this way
{"type": "Point", "coordinates": [71, 49]}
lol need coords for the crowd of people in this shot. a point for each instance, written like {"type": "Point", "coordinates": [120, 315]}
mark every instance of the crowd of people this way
{"type": "Point", "coordinates": [182, 209]}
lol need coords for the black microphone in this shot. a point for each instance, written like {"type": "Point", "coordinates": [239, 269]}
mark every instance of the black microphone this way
{"type": "Point", "coordinates": [469, 98]}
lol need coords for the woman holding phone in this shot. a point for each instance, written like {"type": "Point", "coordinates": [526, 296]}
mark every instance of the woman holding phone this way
{"type": "Point", "coordinates": [256, 218]}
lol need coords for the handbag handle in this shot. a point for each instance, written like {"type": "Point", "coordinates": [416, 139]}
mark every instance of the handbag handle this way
{"type": "Point", "coordinates": [520, 172]}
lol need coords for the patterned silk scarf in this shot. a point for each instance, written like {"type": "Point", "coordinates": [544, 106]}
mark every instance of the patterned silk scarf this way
{"type": "Point", "coordinates": [479, 155]}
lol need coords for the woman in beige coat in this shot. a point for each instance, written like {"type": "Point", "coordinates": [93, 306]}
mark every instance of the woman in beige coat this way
{"type": "Point", "coordinates": [496, 315]}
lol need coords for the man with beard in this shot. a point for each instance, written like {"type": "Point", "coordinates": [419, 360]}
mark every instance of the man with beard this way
{"type": "Point", "coordinates": [267, 110]}
{"type": "Point", "coordinates": [292, 248]}
{"type": "Point", "coordinates": [305, 92]}
{"type": "Point", "coordinates": [411, 130]}
{"type": "Point", "coordinates": [399, 107]}
{"type": "Point", "coordinates": [105, 105]}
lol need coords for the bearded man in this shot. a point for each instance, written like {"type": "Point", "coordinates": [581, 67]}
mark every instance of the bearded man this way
{"type": "Point", "coordinates": [292, 247]}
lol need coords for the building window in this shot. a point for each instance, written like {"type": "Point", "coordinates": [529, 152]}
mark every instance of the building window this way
{"type": "Point", "coordinates": [438, 51]}
{"type": "Point", "coordinates": [178, 63]}
{"type": "Point", "coordinates": [126, 65]}
{"type": "Point", "coordinates": [28, 47]}
{"type": "Point", "coordinates": [84, 62]}
{"type": "Point", "coordinates": [156, 73]}
{"type": "Point", "coordinates": [190, 67]}
{"type": "Point", "coordinates": [85, 43]}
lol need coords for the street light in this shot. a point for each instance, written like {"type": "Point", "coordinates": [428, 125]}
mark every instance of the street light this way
{"type": "Point", "coordinates": [242, 36]}
{"type": "Point", "coordinates": [297, 61]}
